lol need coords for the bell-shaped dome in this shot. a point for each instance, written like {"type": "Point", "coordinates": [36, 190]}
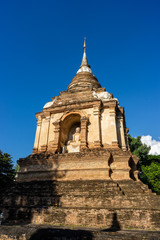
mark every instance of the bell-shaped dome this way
{"type": "Point", "coordinates": [83, 81]}
{"type": "Point", "coordinates": [84, 78]}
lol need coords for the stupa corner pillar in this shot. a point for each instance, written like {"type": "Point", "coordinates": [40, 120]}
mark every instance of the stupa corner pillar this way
{"type": "Point", "coordinates": [54, 146]}
{"type": "Point", "coordinates": [84, 122]}
{"type": "Point", "coordinates": [123, 143]}
{"type": "Point", "coordinates": [97, 124]}
{"type": "Point", "coordinates": [126, 137]}
{"type": "Point", "coordinates": [44, 132]}
{"type": "Point", "coordinates": [113, 126]}
{"type": "Point", "coordinates": [37, 136]}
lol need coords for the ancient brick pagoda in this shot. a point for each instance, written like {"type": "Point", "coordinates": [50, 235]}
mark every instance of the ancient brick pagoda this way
{"type": "Point", "coordinates": [81, 171]}
{"type": "Point", "coordinates": [74, 127]}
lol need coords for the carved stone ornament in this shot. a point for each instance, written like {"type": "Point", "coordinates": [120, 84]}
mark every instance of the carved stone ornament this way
{"type": "Point", "coordinates": [49, 104]}
{"type": "Point", "coordinates": [102, 95]}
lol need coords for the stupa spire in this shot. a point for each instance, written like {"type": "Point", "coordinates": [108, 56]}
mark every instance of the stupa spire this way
{"type": "Point", "coordinates": [84, 78]}
{"type": "Point", "coordinates": [85, 67]}
{"type": "Point", "coordinates": [84, 59]}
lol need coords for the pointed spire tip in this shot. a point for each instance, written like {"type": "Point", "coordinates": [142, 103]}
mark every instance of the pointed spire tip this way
{"type": "Point", "coordinates": [84, 46]}
{"type": "Point", "coordinates": [84, 65]}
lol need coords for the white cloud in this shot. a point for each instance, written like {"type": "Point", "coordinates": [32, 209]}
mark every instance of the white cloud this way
{"type": "Point", "coordinates": [155, 145]}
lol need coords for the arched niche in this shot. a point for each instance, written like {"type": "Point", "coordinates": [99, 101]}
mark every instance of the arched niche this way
{"type": "Point", "coordinates": [69, 124]}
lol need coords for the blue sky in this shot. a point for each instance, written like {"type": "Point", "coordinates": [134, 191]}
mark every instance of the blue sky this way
{"type": "Point", "coordinates": [41, 47]}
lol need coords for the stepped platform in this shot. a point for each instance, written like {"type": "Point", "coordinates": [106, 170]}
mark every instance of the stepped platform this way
{"type": "Point", "coordinates": [92, 203]}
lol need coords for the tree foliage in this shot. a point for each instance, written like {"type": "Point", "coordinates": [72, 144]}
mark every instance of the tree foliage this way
{"type": "Point", "coordinates": [139, 149]}
{"type": "Point", "coordinates": [7, 171]}
{"type": "Point", "coordinates": [148, 165]}
{"type": "Point", "coordinates": [17, 167]}
{"type": "Point", "coordinates": [151, 176]}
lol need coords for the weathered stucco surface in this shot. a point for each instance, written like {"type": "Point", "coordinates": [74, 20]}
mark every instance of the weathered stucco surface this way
{"type": "Point", "coordinates": [81, 171]}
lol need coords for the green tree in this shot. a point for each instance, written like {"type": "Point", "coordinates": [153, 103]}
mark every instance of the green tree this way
{"type": "Point", "coordinates": [7, 171]}
{"type": "Point", "coordinates": [139, 149]}
{"type": "Point", "coordinates": [17, 167]}
{"type": "Point", "coordinates": [153, 158]}
{"type": "Point", "coordinates": [148, 165]}
{"type": "Point", "coordinates": [151, 176]}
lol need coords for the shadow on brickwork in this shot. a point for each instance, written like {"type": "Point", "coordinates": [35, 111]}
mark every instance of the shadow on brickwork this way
{"type": "Point", "coordinates": [20, 203]}
{"type": "Point", "coordinates": [23, 199]}
{"type": "Point", "coordinates": [115, 225]}
{"type": "Point", "coordinates": [60, 234]}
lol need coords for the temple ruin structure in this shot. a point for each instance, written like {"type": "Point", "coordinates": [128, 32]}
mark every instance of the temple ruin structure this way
{"type": "Point", "coordinates": [80, 120]}
{"type": "Point", "coordinates": [81, 170]}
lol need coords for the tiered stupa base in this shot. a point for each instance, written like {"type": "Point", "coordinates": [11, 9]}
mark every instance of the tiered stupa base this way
{"type": "Point", "coordinates": [124, 204]}
{"type": "Point", "coordinates": [105, 202]}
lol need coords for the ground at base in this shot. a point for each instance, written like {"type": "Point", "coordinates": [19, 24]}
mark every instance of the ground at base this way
{"type": "Point", "coordinates": [48, 232]}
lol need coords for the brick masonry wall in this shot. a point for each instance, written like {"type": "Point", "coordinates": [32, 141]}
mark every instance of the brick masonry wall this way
{"type": "Point", "coordinates": [124, 204]}
{"type": "Point", "coordinates": [87, 165]}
